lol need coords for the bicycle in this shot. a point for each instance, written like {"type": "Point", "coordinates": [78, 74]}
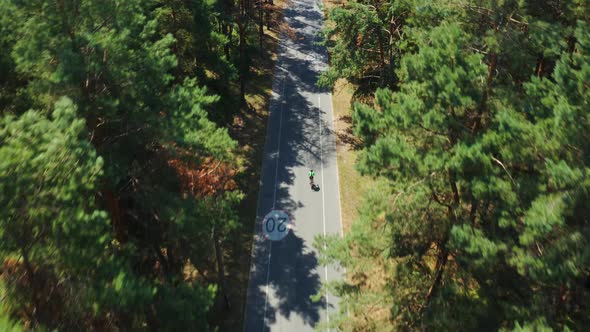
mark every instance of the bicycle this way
{"type": "Point", "coordinates": [311, 183]}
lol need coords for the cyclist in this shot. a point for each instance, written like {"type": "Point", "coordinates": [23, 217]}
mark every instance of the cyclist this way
{"type": "Point", "coordinates": [311, 175]}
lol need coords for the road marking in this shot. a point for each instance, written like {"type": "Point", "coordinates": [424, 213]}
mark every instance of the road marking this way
{"type": "Point", "coordinates": [276, 225]}
{"type": "Point", "coordinates": [274, 195]}
{"type": "Point", "coordinates": [323, 202]}
{"type": "Point", "coordinates": [298, 69]}
{"type": "Point", "coordinates": [266, 288]}
{"type": "Point", "coordinates": [314, 48]}
{"type": "Point", "coordinates": [338, 187]}
{"type": "Point", "coordinates": [337, 171]}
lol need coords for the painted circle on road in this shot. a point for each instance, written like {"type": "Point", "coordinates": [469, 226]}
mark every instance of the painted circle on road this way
{"type": "Point", "coordinates": [276, 225]}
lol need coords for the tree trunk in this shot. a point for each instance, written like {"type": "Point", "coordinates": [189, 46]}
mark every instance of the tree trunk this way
{"type": "Point", "coordinates": [382, 69]}
{"type": "Point", "coordinates": [226, 32]}
{"type": "Point", "coordinates": [539, 69]}
{"type": "Point", "coordinates": [392, 28]}
{"type": "Point", "coordinates": [242, 62]}
{"type": "Point", "coordinates": [114, 207]}
{"type": "Point", "coordinates": [33, 283]}
{"type": "Point", "coordinates": [484, 98]}
{"type": "Point", "coordinates": [441, 262]}
{"type": "Point", "coordinates": [443, 254]}
{"type": "Point", "coordinates": [472, 213]}
{"type": "Point", "coordinates": [261, 22]}
{"type": "Point", "coordinates": [220, 269]}
{"type": "Point", "coordinates": [268, 11]}
{"type": "Point", "coordinates": [455, 190]}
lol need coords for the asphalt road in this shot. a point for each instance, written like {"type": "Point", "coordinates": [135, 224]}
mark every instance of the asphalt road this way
{"type": "Point", "coordinates": [284, 274]}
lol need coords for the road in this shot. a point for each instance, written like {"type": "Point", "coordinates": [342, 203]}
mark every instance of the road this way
{"type": "Point", "coordinates": [284, 274]}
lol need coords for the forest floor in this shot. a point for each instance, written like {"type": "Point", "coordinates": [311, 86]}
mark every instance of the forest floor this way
{"type": "Point", "coordinates": [249, 129]}
{"type": "Point", "coordinates": [353, 186]}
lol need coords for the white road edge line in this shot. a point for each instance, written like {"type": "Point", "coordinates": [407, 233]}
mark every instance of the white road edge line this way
{"type": "Point", "coordinates": [274, 196]}
{"type": "Point", "coordinates": [266, 288]}
{"type": "Point", "coordinates": [337, 166]}
{"type": "Point", "coordinates": [338, 184]}
{"type": "Point", "coordinates": [337, 170]}
{"type": "Point", "coordinates": [323, 202]}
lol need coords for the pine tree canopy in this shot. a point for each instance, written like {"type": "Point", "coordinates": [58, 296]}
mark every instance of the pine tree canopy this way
{"type": "Point", "coordinates": [478, 142]}
{"type": "Point", "coordinates": [106, 107]}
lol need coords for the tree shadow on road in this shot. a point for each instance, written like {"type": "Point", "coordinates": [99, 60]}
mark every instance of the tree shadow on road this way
{"type": "Point", "coordinates": [306, 141]}
{"type": "Point", "coordinates": [289, 293]}
{"type": "Point", "coordinates": [294, 293]}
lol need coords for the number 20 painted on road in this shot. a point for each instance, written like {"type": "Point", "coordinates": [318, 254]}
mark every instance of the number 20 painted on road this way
{"type": "Point", "coordinates": [271, 222]}
{"type": "Point", "coordinates": [276, 225]}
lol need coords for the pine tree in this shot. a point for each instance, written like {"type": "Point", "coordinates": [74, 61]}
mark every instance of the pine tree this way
{"type": "Point", "coordinates": [366, 40]}
{"type": "Point", "coordinates": [116, 61]}
{"type": "Point", "coordinates": [480, 222]}
{"type": "Point", "coordinates": [50, 225]}
{"type": "Point", "coordinates": [357, 51]}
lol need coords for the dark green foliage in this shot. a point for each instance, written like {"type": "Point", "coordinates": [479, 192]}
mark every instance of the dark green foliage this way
{"type": "Point", "coordinates": [198, 46]}
{"type": "Point", "coordinates": [100, 229]}
{"type": "Point", "coordinates": [47, 164]}
{"type": "Point", "coordinates": [483, 143]}
{"type": "Point", "coordinates": [358, 35]}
